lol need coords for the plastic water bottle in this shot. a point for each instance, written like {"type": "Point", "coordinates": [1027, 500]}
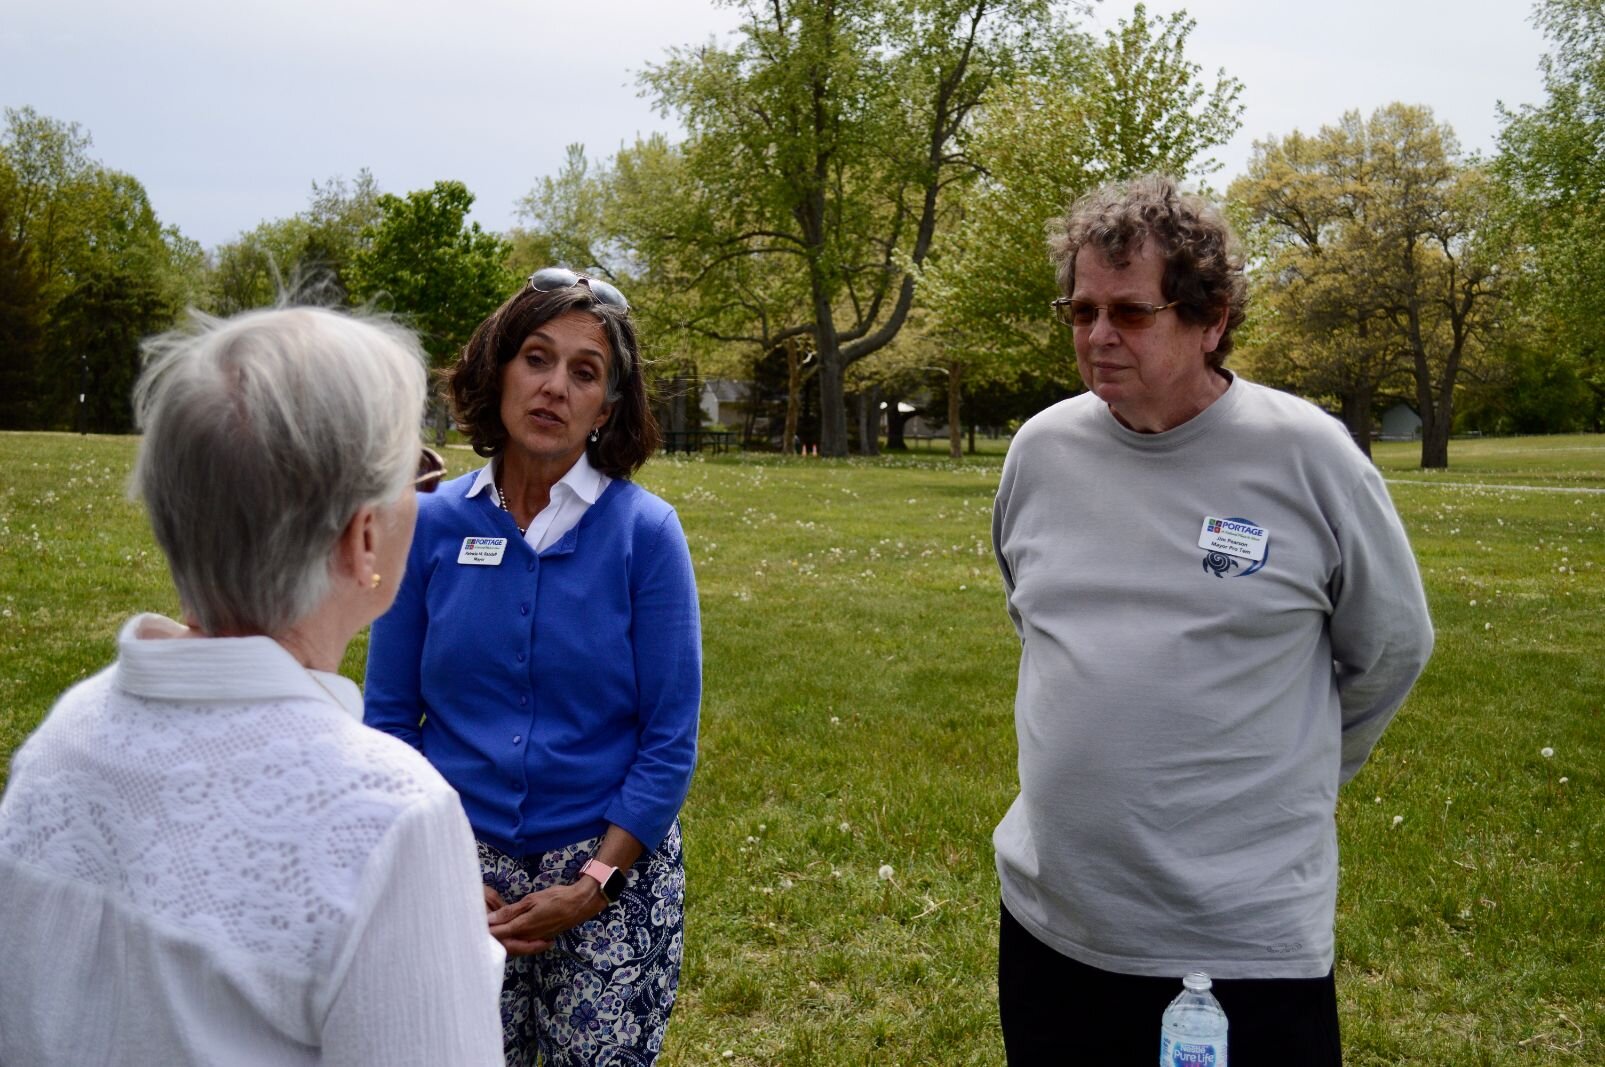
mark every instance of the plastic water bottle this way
{"type": "Point", "coordinates": [1193, 1031]}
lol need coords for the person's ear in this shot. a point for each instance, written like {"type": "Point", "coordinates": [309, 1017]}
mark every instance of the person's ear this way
{"type": "Point", "coordinates": [356, 549]}
{"type": "Point", "coordinates": [1214, 331]}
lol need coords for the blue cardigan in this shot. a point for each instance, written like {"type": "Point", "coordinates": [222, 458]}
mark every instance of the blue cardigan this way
{"type": "Point", "coordinates": [556, 693]}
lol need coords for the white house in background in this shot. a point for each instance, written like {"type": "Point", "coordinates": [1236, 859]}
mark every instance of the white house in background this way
{"type": "Point", "coordinates": [1401, 423]}
{"type": "Point", "coordinates": [722, 400]}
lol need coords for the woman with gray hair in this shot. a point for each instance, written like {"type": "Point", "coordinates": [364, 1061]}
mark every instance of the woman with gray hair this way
{"type": "Point", "coordinates": [205, 857]}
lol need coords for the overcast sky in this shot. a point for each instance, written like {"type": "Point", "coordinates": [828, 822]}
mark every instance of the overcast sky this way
{"type": "Point", "coordinates": [228, 111]}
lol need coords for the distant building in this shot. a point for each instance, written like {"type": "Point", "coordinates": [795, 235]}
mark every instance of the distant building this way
{"type": "Point", "coordinates": [1401, 423]}
{"type": "Point", "coordinates": [723, 401]}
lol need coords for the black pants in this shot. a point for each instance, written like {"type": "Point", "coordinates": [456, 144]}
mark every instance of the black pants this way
{"type": "Point", "coordinates": [1057, 1012]}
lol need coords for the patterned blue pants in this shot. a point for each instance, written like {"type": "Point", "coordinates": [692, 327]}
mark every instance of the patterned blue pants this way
{"type": "Point", "coordinates": [601, 994]}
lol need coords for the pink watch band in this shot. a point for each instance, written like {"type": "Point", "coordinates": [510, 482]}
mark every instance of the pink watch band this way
{"type": "Point", "coordinates": [609, 879]}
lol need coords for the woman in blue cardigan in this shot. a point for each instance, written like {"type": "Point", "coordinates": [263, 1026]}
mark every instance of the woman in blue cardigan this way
{"type": "Point", "coordinates": [544, 653]}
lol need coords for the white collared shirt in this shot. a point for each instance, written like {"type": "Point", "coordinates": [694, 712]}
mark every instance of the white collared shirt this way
{"type": "Point", "coordinates": [567, 504]}
{"type": "Point", "coordinates": [205, 858]}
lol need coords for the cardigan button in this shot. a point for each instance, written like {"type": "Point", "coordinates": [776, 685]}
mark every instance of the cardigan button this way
{"type": "Point", "coordinates": [523, 609]}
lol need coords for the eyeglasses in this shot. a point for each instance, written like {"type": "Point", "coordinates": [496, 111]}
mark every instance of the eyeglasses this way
{"type": "Point", "coordinates": [431, 469]}
{"type": "Point", "coordinates": [549, 278]}
{"type": "Point", "coordinates": [1122, 316]}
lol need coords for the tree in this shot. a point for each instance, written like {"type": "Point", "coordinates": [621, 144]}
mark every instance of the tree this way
{"type": "Point", "coordinates": [440, 272]}
{"type": "Point", "coordinates": [1086, 113]}
{"type": "Point", "coordinates": [45, 173]}
{"type": "Point", "coordinates": [1320, 325]}
{"type": "Point", "coordinates": [107, 272]}
{"type": "Point", "coordinates": [1379, 244]}
{"type": "Point", "coordinates": [306, 257]}
{"type": "Point", "coordinates": [1552, 165]}
{"type": "Point", "coordinates": [831, 134]}
{"type": "Point", "coordinates": [22, 331]}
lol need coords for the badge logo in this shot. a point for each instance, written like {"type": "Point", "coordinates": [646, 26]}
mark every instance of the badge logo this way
{"type": "Point", "coordinates": [1233, 547]}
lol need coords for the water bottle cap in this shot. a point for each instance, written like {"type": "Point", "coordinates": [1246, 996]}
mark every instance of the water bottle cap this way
{"type": "Point", "coordinates": [1197, 981]}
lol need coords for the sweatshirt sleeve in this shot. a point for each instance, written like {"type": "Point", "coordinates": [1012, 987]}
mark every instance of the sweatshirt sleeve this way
{"type": "Point", "coordinates": [1381, 632]}
{"type": "Point", "coordinates": [1000, 508]}
{"type": "Point", "coordinates": [667, 629]}
{"type": "Point", "coordinates": [418, 981]}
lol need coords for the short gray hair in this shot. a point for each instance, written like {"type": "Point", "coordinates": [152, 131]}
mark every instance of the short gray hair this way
{"type": "Point", "coordinates": [263, 435]}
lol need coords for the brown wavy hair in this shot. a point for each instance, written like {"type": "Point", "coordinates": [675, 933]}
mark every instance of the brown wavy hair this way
{"type": "Point", "coordinates": [473, 385]}
{"type": "Point", "coordinates": [1203, 262]}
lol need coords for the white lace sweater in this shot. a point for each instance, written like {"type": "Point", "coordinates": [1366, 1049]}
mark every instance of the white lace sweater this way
{"type": "Point", "coordinates": [206, 858]}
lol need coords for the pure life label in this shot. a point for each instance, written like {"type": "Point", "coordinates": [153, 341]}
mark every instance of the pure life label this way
{"type": "Point", "coordinates": [1233, 537]}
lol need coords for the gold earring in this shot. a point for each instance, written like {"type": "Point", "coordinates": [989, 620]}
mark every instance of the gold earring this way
{"type": "Point", "coordinates": [374, 583]}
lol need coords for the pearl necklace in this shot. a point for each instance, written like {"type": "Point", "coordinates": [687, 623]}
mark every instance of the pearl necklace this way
{"type": "Point", "coordinates": [503, 502]}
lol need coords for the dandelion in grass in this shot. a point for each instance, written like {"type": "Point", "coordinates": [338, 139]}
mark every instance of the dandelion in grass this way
{"type": "Point", "coordinates": [1398, 820]}
{"type": "Point", "coordinates": [885, 873]}
{"type": "Point", "coordinates": [1547, 752]}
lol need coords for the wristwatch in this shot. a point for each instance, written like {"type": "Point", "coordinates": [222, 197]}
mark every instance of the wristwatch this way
{"type": "Point", "coordinates": [611, 879]}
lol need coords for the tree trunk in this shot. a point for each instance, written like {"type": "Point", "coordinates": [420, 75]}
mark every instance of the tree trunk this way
{"type": "Point", "coordinates": [866, 427]}
{"type": "Point", "coordinates": [789, 442]}
{"type": "Point", "coordinates": [1357, 417]}
{"type": "Point", "coordinates": [895, 420]}
{"type": "Point", "coordinates": [442, 420]}
{"type": "Point", "coordinates": [955, 433]}
{"type": "Point", "coordinates": [678, 387]}
{"type": "Point", "coordinates": [1435, 446]}
{"type": "Point", "coordinates": [869, 442]}
{"type": "Point", "coordinates": [832, 402]}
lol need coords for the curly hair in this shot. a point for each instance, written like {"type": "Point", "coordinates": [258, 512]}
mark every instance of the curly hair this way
{"type": "Point", "coordinates": [1203, 263]}
{"type": "Point", "coordinates": [473, 385]}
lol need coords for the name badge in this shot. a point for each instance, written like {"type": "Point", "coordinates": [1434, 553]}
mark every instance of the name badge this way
{"type": "Point", "coordinates": [482, 551]}
{"type": "Point", "coordinates": [1235, 537]}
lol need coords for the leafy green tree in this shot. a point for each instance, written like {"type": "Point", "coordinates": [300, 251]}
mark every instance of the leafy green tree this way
{"type": "Point", "coordinates": [101, 323]}
{"type": "Point", "coordinates": [1552, 163]}
{"type": "Point", "coordinates": [45, 178]}
{"type": "Point", "coordinates": [22, 331]}
{"type": "Point", "coordinates": [828, 138]}
{"type": "Point", "coordinates": [1087, 113]}
{"type": "Point", "coordinates": [440, 272]}
{"type": "Point", "coordinates": [107, 271]}
{"type": "Point", "coordinates": [1379, 246]}
{"type": "Point", "coordinates": [305, 258]}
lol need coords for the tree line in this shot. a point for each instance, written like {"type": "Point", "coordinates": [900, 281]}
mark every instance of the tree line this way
{"type": "Point", "coordinates": [856, 213]}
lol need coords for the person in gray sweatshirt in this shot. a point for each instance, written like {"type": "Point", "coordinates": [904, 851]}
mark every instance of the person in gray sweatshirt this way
{"type": "Point", "coordinates": [1218, 613]}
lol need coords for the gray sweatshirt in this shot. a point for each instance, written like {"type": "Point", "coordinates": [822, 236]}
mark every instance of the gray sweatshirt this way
{"type": "Point", "coordinates": [1185, 710]}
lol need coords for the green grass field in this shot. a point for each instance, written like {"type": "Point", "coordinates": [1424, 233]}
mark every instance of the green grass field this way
{"type": "Point", "coordinates": [860, 675]}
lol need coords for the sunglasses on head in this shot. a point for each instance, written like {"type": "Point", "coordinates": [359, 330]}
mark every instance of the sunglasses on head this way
{"type": "Point", "coordinates": [550, 278]}
{"type": "Point", "coordinates": [1127, 315]}
{"type": "Point", "coordinates": [431, 469]}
